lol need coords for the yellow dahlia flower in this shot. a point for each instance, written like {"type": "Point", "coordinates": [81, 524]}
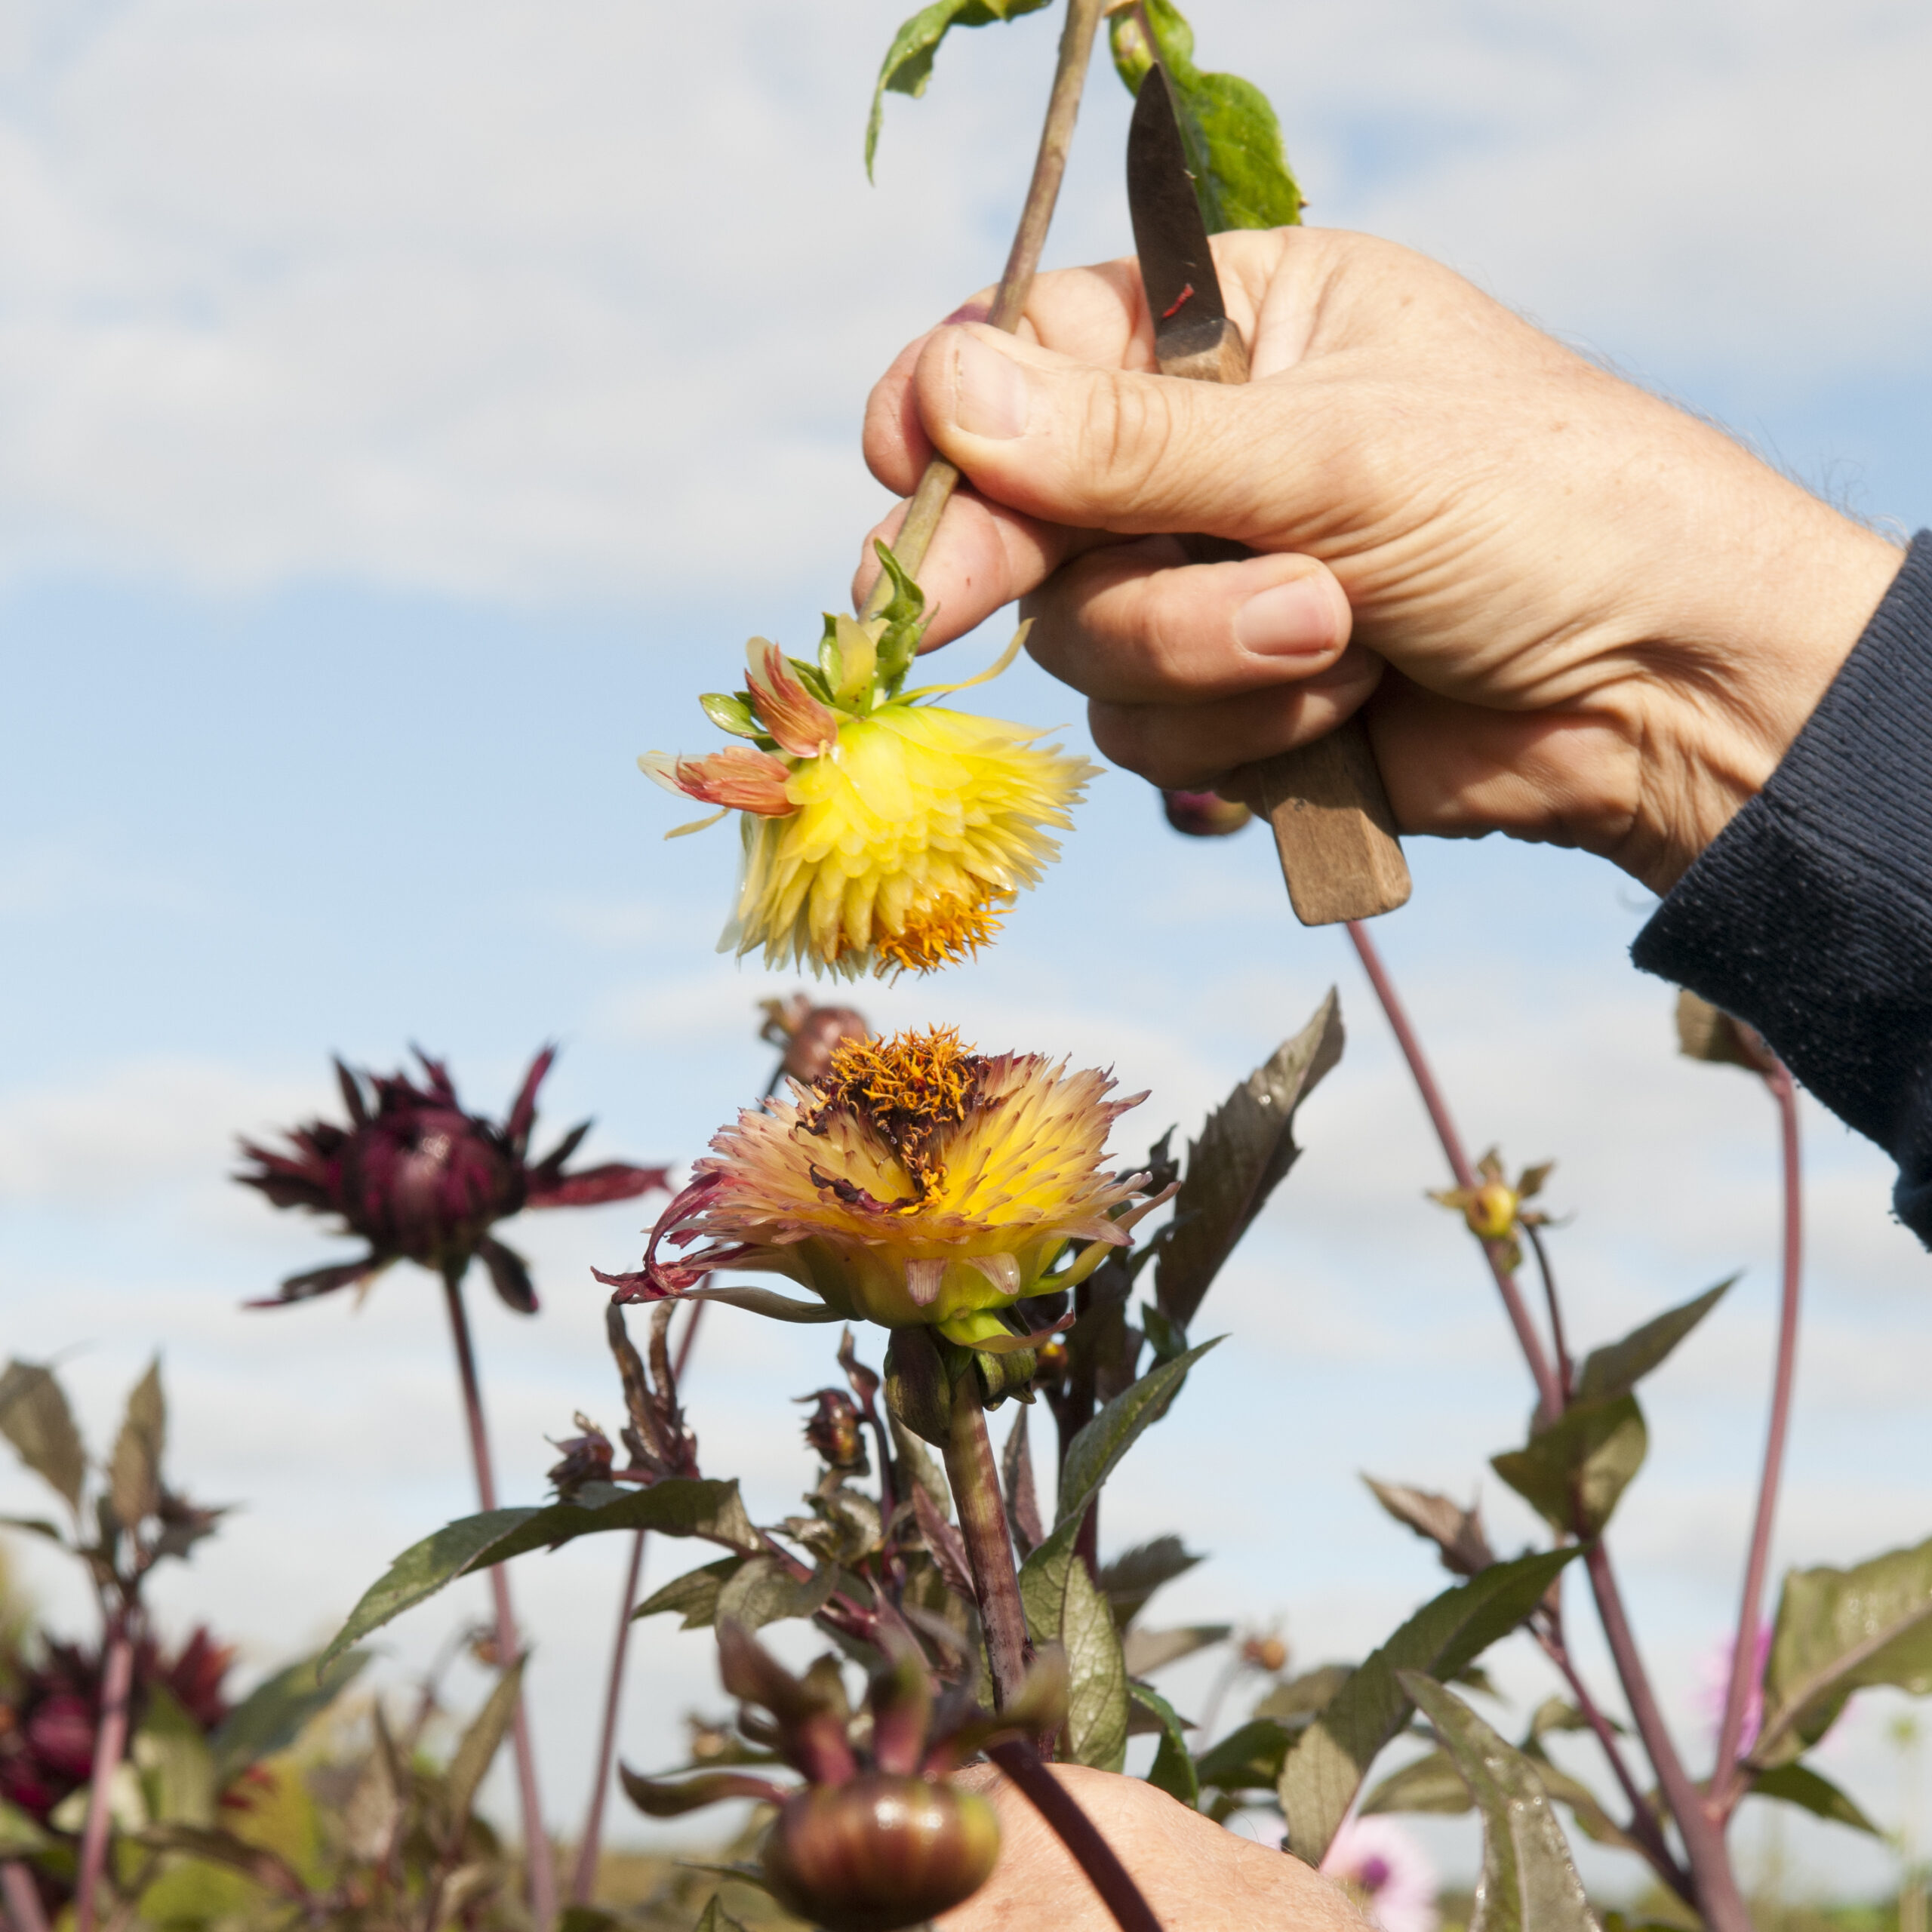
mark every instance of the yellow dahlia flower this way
{"type": "Point", "coordinates": [915, 1182]}
{"type": "Point", "coordinates": [880, 833]}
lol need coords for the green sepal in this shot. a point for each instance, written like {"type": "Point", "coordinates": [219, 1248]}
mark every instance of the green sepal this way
{"type": "Point", "coordinates": [731, 714]}
{"type": "Point", "coordinates": [905, 624]}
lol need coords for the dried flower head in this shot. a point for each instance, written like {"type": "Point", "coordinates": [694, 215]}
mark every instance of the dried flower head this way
{"type": "Point", "coordinates": [917, 1183]}
{"type": "Point", "coordinates": [808, 1035]}
{"type": "Point", "coordinates": [585, 1457]}
{"type": "Point", "coordinates": [881, 833]}
{"type": "Point", "coordinates": [421, 1181]}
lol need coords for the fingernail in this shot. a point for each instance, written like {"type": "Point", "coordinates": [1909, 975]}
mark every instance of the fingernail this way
{"type": "Point", "coordinates": [1294, 620]}
{"type": "Point", "coordinates": [991, 397]}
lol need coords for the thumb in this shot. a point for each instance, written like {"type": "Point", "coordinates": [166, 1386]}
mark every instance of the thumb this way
{"type": "Point", "coordinates": [1105, 449]}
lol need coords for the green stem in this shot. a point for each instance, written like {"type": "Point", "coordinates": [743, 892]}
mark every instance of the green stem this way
{"type": "Point", "coordinates": [971, 1470]}
{"type": "Point", "coordinates": [1076, 50]}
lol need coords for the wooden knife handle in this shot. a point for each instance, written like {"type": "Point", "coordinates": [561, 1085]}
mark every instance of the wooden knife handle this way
{"type": "Point", "coordinates": [1334, 828]}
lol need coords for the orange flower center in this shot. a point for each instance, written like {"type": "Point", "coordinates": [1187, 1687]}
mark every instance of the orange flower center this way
{"type": "Point", "coordinates": [907, 1088]}
{"type": "Point", "coordinates": [947, 933]}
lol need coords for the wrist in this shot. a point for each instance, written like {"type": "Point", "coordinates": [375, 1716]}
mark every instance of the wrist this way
{"type": "Point", "coordinates": [1767, 625]}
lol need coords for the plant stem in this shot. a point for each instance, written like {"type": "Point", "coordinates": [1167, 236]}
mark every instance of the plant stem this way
{"type": "Point", "coordinates": [929, 500]}
{"type": "Point", "coordinates": [1643, 1826]}
{"type": "Point", "coordinates": [1718, 1900]}
{"type": "Point", "coordinates": [1077, 1832]}
{"type": "Point", "coordinates": [23, 1897]}
{"type": "Point", "coordinates": [1726, 1786]}
{"type": "Point", "coordinates": [1548, 1389]}
{"type": "Point", "coordinates": [110, 1741]}
{"type": "Point", "coordinates": [975, 1477]}
{"type": "Point", "coordinates": [583, 1879]}
{"type": "Point", "coordinates": [543, 1875]}
{"type": "Point", "coordinates": [1566, 1377]}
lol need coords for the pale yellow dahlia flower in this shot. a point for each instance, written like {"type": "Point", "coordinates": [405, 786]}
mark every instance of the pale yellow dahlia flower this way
{"type": "Point", "coordinates": [880, 833]}
{"type": "Point", "coordinates": [916, 1182]}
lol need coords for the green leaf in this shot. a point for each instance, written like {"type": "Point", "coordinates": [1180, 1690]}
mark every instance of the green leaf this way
{"type": "Point", "coordinates": [1249, 1758]}
{"type": "Point", "coordinates": [1096, 1730]}
{"type": "Point", "coordinates": [1456, 1533]}
{"type": "Point", "coordinates": [1133, 1576]}
{"type": "Point", "coordinates": [1616, 1370]}
{"type": "Point", "coordinates": [1149, 1650]}
{"type": "Point", "coordinates": [20, 1836]}
{"type": "Point", "coordinates": [1799, 1785]}
{"type": "Point", "coordinates": [1327, 1767]}
{"type": "Point", "coordinates": [1572, 1472]}
{"type": "Point", "coordinates": [762, 1590]}
{"type": "Point", "coordinates": [715, 1918]}
{"type": "Point", "coordinates": [476, 1749]}
{"type": "Point", "coordinates": [134, 1473]}
{"type": "Point", "coordinates": [909, 61]}
{"type": "Point", "coordinates": [275, 1713]}
{"type": "Point", "coordinates": [1303, 1698]}
{"type": "Point", "coordinates": [679, 1507]}
{"type": "Point", "coordinates": [1591, 1819]}
{"type": "Point", "coordinates": [36, 1419]}
{"type": "Point", "coordinates": [1095, 1453]}
{"type": "Point", "coordinates": [265, 1868]}
{"type": "Point", "coordinates": [1092, 1457]}
{"type": "Point", "coordinates": [1528, 1881]}
{"type": "Point", "coordinates": [1246, 1147]}
{"type": "Point", "coordinates": [693, 1595]}
{"type": "Point", "coordinates": [1839, 1631]}
{"type": "Point", "coordinates": [1242, 177]}
{"type": "Point", "coordinates": [1173, 1765]}
{"type": "Point", "coordinates": [1431, 1784]}
{"type": "Point", "coordinates": [177, 1767]}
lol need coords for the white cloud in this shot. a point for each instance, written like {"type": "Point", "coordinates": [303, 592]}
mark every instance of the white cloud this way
{"type": "Point", "coordinates": [496, 299]}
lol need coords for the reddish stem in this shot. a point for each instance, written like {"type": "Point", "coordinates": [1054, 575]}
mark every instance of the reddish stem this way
{"type": "Point", "coordinates": [1727, 1785]}
{"type": "Point", "coordinates": [1548, 1389]}
{"type": "Point", "coordinates": [1643, 1826]}
{"type": "Point", "coordinates": [1077, 1833]}
{"type": "Point", "coordinates": [974, 1477]}
{"type": "Point", "coordinates": [23, 1897]}
{"type": "Point", "coordinates": [1718, 1900]}
{"type": "Point", "coordinates": [583, 1880]}
{"type": "Point", "coordinates": [543, 1875]}
{"type": "Point", "coordinates": [110, 1741]}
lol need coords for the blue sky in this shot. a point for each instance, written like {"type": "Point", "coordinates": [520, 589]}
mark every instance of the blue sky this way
{"type": "Point", "coordinates": [366, 504]}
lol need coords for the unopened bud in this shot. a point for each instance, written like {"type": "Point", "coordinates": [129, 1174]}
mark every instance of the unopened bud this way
{"type": "Point", "coordinates": [1204, 814]}
{"type": "Point", "coordinates": [833, 1430]}
{"type": "Point", "coordinates": [1268, 1654]}
{"type": "Point", "coordinates": [586, 1458]}
{"type": "Point", "coordinates": [879, 1853]}
{"type": "Point", "coordinates": [1491, 1210]}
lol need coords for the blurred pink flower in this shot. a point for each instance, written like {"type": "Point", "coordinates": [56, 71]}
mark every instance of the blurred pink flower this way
{"type": "Point", "coordinates": [1386, 1872]}
{"type": "Point", "coordinates": [1714, 1687]}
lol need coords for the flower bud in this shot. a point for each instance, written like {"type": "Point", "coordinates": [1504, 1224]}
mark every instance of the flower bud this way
{"type": "Point", "coordinates": [1491, 1210]}
{"type": "Point", "coordinates": [1204, 814]}
{"type": "Point", "coordinates": [1268, 1653]}
{"type": "Point", "coordinates": [833, 1430]}
{"type": "Point", "coordinates": [586, 1457]}
{"type": "Point", "coordinates": [879, 1853]}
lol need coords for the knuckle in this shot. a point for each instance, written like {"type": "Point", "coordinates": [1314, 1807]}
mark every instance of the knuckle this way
{"type": "Point", "coordinates": [1126, 434]}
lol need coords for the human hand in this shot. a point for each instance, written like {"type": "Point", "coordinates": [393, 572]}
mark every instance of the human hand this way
{"type": "Point", "coordinates": [1196, 1877]}
{"type": "Point", "coordinates": [1605, 621]}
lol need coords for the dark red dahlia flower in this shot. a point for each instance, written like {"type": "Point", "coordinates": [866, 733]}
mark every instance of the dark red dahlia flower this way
{"type": "Point", "coordinates": [421, 1181]}
{"type": "Point", "coordinates": [50, 1712]}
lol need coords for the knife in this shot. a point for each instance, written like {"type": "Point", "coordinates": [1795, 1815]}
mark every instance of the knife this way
{"type": "Point", "coordinates": [1333, 829]}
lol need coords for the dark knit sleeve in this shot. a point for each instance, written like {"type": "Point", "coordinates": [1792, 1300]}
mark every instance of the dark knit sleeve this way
{"type": "Point", "coordinates": [1811, 914]}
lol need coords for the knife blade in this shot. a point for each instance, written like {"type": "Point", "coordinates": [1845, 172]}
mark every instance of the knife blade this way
{"type": "Point", "coordinates": [1334, 831]}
